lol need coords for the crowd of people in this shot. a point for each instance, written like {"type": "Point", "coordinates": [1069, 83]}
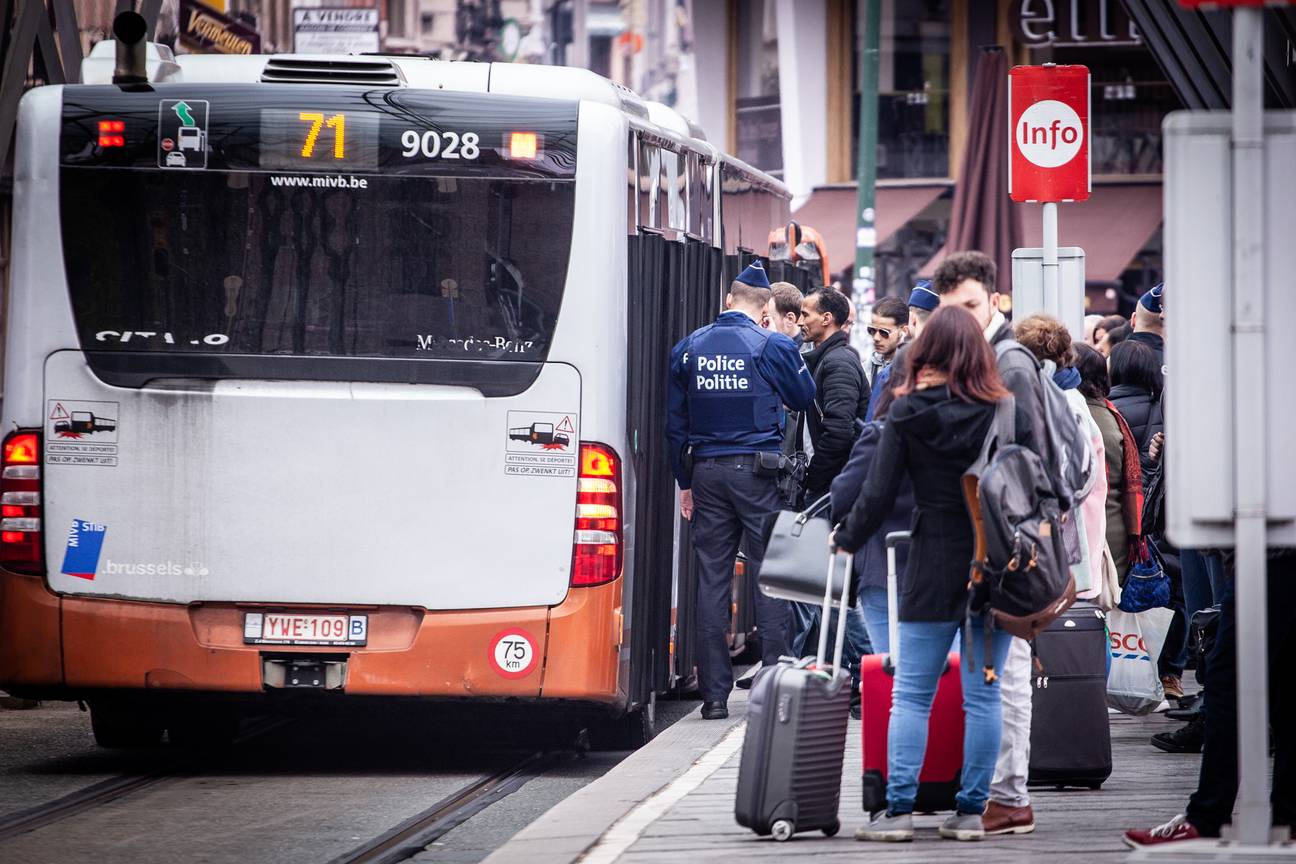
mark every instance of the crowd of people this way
{"type": "Point", "coordinates": [888, 437]}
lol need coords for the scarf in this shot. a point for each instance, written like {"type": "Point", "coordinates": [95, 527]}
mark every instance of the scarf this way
{"type": "Point", "coordinates": [929, 377]}
{"type": "Point", "coordinates": [992, 328]}
{"type": "Point", "coordinates": [1068, 378]}
{"type": "Point", "coordinates": [1132, 498]}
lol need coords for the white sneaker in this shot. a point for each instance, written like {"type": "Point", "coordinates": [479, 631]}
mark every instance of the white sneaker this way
{"type": "Point", "coordinates": [963, 826]}
{"type": "Point", "coordinates": [888, 829]}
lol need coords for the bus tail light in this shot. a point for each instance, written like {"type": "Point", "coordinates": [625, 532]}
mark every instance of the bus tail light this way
{"type": "Point", "coordinates": [21, 540]}
{"type": "Point", "coordinates": [596, 547]}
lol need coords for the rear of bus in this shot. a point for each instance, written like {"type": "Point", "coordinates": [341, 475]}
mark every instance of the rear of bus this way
{"type": "Point", "coordinates": [269, 348]}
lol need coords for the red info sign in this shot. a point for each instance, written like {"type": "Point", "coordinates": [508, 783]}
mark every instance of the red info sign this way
{"type": "Point", "coordinates": [1048, 108]}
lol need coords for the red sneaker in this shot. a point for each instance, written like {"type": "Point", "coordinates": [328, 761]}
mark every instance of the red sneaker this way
{"type": "Point", "coordinates": [1176, 829]}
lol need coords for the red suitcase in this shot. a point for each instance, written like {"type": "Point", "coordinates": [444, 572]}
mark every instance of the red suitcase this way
{"type": "Point", "coordinates": [938, 781]}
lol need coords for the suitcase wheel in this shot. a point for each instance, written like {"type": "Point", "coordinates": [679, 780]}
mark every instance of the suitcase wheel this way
{"type": "Point", "coordinates": [782, 830]}
{"type": "Point", "coordinates": [831, 830]}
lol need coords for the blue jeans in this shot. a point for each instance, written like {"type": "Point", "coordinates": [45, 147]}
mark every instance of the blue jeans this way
{"type": "Point", "coordinates": [805, 623]}
{"type": "Point", "coordinates": [1202, 575]}
{"type": "Point", "coordinates": [873, 602]}
{"type": "Point", "coordinates": [924, 646]}
{"type": "Point", "coordinates": [1203, 579]}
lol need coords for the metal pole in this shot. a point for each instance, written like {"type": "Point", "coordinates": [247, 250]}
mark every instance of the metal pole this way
{"type": "Point", "coordinates": [1052, 303]}
{"type": "Point", "coordinates": [1249, 374]}
{"type": "Point", "coordinates": [862, 282]}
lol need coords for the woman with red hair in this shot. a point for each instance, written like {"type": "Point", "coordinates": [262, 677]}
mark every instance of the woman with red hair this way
{"type": "Point", "coordinates": [934, 433]}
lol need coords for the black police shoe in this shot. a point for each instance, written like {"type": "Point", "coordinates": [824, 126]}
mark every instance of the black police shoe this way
{"type": "Point", "coordinates": [1186, 739]}
{"type": "Point", "coordinates": [745, 682]}
{"type": "Point", "coordinates": [714, 711]}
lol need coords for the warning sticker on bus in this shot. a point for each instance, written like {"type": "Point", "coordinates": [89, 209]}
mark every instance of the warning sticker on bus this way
{"type": "Point", "coordinates": [81, 433]}
{"type": "Point", "coordinates": [541, 444]}
{"type": "Point", "coordinates": [513, 653]}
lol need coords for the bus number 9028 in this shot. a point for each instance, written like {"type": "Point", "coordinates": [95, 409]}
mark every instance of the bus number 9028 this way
{"type": "Point", "coordinates": [440, 145]}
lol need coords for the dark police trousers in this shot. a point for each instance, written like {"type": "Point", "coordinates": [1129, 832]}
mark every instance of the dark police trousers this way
{"type": "Point", "coordinates": [730, 501]}
{"type": "Point", "coordinates": [1211, 805]}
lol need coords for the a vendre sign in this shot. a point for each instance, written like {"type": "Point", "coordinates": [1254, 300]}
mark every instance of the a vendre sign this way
{"type": "Point", "coordinates": [1049, 142]}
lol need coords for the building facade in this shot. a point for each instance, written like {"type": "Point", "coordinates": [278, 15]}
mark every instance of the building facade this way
{"type": "Point", "coordinates": [790, 99]}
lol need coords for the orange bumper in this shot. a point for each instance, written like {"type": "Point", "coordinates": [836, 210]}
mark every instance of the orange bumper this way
{"type": "Point", "coordinates": [569, 651]}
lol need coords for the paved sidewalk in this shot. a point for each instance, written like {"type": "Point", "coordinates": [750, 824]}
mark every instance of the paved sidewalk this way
{"type": "Point", "coordinates": [673, 801]}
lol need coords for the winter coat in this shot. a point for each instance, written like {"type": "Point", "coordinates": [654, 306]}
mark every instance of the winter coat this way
{"type": "Point", "coordinates": [932, 438]}
{"type": "Point", "coordinates": [870, 560]}
{"type": "Point", "coordinates": [1153, 340]}
{"type": "Point", "coordinates": [1142, 411]}
{"type": "Point", "coordinates": [841, 398]}
{"type": "Point", "coordinates": [1117, 538]}
{"type": "Point", "coordinates": [1092, 514]}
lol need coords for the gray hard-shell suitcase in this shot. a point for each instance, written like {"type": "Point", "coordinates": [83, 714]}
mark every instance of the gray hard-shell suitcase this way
{"type": "Point", "coordinates": [1070, 731]}
{"type": "Point", "coordinates": [789, 779]}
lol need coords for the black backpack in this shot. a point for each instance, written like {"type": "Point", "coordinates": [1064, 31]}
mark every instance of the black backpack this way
{"type": "Point", "coordinates": [1021, 576]}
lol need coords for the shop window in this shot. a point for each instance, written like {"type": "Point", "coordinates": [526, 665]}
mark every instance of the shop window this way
{"type": "Point", "coordinates": [1128, 99]}
{"type": "Point", "coordinates": [759, 117]}
{"type": "Point", "coordinates": [913, 91]}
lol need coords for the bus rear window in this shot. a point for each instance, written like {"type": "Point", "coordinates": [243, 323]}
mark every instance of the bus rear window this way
{"type": "Point", "coordinates": [373, 266]}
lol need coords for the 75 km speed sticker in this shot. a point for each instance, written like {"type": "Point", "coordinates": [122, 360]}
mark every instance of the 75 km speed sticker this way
{"type": "Point", "coordinates": [513, 653]}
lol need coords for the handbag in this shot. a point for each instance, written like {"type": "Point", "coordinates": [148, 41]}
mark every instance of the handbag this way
{"type": "Point", "coordinates": [1133, 686]}
{"type": "Point", "coordinates": [1147, 586]}
{"type": "Point", "coordinates": [796, 555]}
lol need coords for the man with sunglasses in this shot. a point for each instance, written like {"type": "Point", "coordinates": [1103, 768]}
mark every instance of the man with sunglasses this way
{"type": "Point", "coordinates": [887, 330]}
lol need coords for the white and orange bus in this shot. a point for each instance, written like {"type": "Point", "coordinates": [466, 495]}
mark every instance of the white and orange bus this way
{"type": "Point", "coordinates": [273, 324]}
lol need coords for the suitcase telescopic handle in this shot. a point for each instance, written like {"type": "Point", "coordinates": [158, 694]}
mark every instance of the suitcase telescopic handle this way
{"type": "Point", "coordinates": [893, 539]}
{"type": "Point", "coordinates": [839, 644]}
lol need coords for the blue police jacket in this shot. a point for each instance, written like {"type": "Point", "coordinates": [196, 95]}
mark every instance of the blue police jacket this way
{"type": "Point", "coordinates": [728, 384]}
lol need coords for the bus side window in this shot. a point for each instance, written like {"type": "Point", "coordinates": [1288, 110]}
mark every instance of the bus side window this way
{"type": "Point", "coordinates": [649, 179]}
{"type": "Point", "coordinates": [632, 182]}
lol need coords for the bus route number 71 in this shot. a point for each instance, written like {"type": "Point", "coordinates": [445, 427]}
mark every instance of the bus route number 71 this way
{"type": "Point", "coordinates": [440, 145]}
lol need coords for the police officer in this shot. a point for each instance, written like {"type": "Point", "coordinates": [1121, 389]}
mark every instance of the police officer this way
{"type": "Point", "coordinates": [728, 384]}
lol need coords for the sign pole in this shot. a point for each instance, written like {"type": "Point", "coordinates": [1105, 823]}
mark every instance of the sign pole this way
{"type": "Point", "coordinates": [862, 285]}
{"type": "Point", "coordinates": [1249, 428]}
{"type": "Point", "coordinates": [1052, 303]}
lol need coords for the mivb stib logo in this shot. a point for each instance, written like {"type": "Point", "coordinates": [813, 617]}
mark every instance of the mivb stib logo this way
{"type": "Point", "coordinates": [1049, 133]}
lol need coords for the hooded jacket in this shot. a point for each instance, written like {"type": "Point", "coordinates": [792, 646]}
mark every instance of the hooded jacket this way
{"type": "Point", "coordinates": [870, 560]}
{"type": "Point", "coordinates": [931, 438]}
{"type": "Point", "coordinates": [841, 398]}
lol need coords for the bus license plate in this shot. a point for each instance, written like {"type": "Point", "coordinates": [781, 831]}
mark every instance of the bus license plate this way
{"type": "Point", "coordinates": [281, 628]}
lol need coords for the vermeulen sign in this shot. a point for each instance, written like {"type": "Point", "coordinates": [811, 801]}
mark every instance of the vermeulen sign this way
{"type": "Point", "coordinates": [335, 30]}
{"type": "Point", "coordinates": [204, 30]}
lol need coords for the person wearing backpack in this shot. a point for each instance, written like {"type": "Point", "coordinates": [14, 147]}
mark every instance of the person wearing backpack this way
{"type": "Point", "coordinates": [967, 280]}
{"type": "Point", "coordinates": [1050, 341]}
{"type": "Point", "coordinates": [935, 430]}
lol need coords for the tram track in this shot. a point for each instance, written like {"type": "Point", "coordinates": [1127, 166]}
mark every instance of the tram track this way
{"type": "Point", "coordinates": [112, 789]}
{"type": "Point", "coordinates": [397, 843]}
{"type": "Point", "coordinates": [424, 828]}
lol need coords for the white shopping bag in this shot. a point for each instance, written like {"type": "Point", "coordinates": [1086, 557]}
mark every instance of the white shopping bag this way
{"type": "Point", "coordinates": [1133, 685]}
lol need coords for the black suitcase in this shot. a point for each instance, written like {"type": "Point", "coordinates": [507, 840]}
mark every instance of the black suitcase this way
{"type": "Point", "coordinates": [1070, 731]}
{"type": "Point", "coordinates": [789, 779]}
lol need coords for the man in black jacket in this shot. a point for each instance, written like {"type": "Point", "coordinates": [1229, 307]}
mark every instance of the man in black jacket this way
{"type": "Point", "coordinates": [967, 279]}
{"type": "Point", "coordinates": [842, 391]}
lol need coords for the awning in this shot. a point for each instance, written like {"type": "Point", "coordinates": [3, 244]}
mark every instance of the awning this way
{"type": "Point", "coordinates": [1111, 227]}
{"type": "Point", "coordinates": [830, 210]}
